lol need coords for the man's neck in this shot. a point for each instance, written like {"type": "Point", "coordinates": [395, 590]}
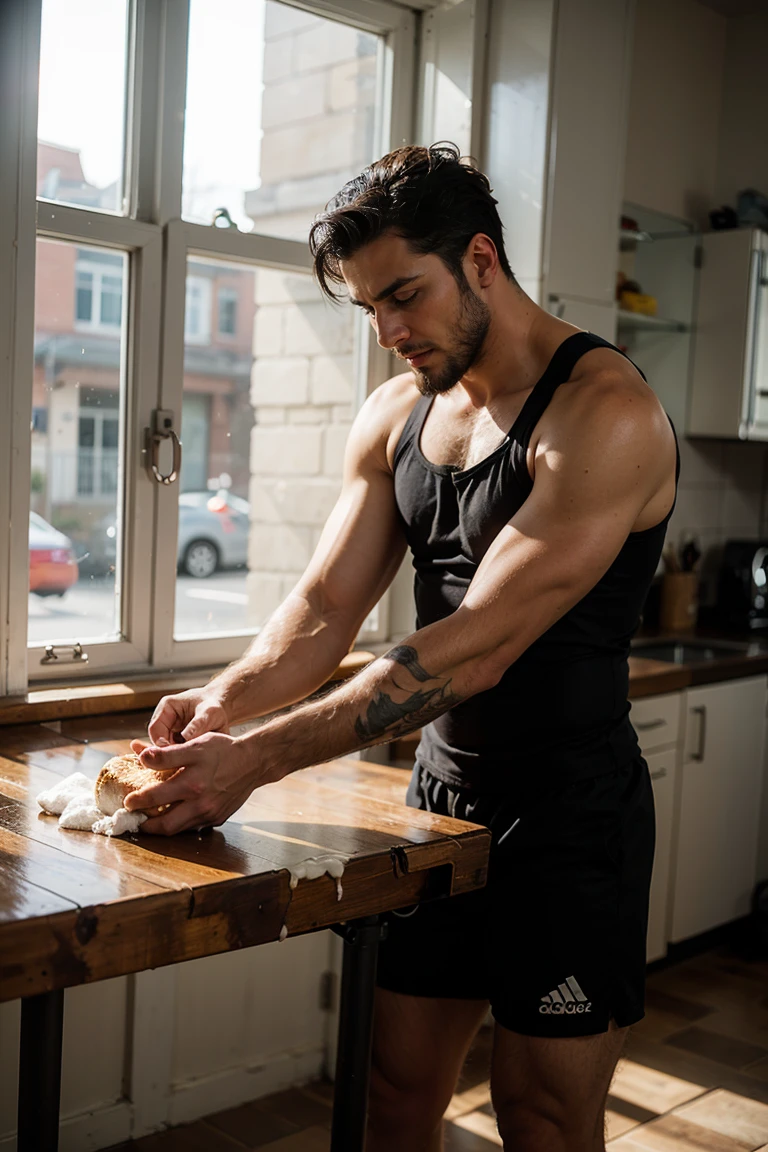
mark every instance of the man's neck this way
{"type": "Point", "coordinates": [517, 348]}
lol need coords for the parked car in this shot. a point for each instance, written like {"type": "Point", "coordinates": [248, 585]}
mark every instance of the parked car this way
{"type": "Point", "coordinates": [213, 534]}
{"type": "Point", "coordinates": [52, 565]}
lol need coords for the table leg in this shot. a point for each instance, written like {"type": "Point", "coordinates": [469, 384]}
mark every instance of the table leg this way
{"type": "Point", "coordinates": [353, 1059]}
{"type": "Point", "coordinates": [42, 1026]}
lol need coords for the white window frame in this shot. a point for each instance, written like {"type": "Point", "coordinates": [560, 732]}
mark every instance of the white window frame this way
{"type": "Point", "coordinates": [158, 243]}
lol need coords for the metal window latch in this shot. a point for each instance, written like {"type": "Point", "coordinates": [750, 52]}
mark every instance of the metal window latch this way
{"type": "Point", "coordinates": [75, 650]}
{"type": "Point", "coordinates": [162, 429]}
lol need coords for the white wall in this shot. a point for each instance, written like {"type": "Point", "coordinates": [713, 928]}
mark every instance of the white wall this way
{"type": "Point", "coordinates": [675, 108]}
{"type": "Point", "coordinates": [516, 128]}
{"type": "Point", "coordinates": [743, 139]}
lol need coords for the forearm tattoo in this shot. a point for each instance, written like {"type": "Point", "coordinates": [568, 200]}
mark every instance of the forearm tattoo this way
{"type": "Point", "coordinates": [385, 718]}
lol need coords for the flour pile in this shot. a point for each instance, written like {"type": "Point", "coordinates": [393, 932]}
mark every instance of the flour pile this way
{"type": "Point", "coordinates": [89, 807]}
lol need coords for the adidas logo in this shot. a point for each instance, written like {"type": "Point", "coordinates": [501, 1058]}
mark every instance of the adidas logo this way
{"type": "Point", "coordinates": [565, 1000]}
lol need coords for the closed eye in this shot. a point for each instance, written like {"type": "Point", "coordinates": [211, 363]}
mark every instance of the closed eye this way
{"type": "Point", "coordinates": [406, 299]}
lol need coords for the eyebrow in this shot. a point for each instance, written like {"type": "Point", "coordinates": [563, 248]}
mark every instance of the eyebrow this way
{"type": "Point", "coordinates": [395, 286]}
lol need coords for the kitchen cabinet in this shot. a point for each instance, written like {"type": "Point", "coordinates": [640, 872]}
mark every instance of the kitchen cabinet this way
{"type": "Point", "coordinates": [719, 805]}
{"type": "Point", "coordinates": [656, 720]}
{"type": "Point", "coordinates": [661, 257]}
{"type": "Point", "coordinates": [586, 147]}
{"type": "Point", "coordinates": [662, 767]}
{"type": "Point", "coordinates": [729, 385]}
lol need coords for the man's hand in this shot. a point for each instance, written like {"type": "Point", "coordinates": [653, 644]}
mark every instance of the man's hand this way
{"type": "Point", "coordinates": [212, 776]}
{"type": "Point", "coordinates": [185, 716]}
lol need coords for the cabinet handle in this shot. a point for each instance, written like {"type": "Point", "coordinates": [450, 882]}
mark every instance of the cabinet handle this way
{"type": "Point", "coordinates": [659, 774]}
{"type": "Point", "coordinates": [701, 712]}
{"type": "Point", "coordinates": [647, 725]}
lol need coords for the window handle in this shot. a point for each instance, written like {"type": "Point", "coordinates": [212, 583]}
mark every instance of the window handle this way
{"type": "Point", "coordinates": [162, 429]}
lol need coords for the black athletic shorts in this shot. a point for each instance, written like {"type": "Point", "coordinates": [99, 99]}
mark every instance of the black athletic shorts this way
{"type": "Point", "coordinates": [556, 940]}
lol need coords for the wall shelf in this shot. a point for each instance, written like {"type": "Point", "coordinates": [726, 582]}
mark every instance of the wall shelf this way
{"type": "Point", "coordinates": [641, 322]}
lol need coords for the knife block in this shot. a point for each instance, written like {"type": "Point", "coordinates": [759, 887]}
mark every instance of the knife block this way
{"type": "Point", "coordinates": [679, 602]}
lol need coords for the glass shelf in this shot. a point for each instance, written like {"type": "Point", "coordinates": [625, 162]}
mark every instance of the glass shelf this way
{"type": "Point", "coordinates": [628, 237]}
{"type": "Point", "coordinates": [639, 321]}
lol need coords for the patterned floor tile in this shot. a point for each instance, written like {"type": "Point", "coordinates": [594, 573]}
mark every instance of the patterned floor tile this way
{"type": "Point", "coordinates": [673, 1134]}
{"type": "Point", "coordinates": [463, 1102]}
{"type": "Point", "coordinates": [252, 1125]}
{"type": "Point", "coordinates": [309, 1140]}
{"type": "Point", "coordinates": [481, 1125]}
{"type": "Point", "coordinates": [729, 1114]}
{"type": "Point", "coordinates": [676, 1006]}
{"type": "Point", "coordinates": [648, 1088]}
{"type": "Point", "coordinates": [724, 1049]}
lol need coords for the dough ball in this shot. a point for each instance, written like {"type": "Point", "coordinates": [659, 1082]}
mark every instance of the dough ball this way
{"type": "Point", "coordinates": [121, 775]}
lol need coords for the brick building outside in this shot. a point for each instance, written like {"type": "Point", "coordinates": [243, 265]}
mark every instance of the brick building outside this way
{"type": "Point", "coordinates": [76, 393]}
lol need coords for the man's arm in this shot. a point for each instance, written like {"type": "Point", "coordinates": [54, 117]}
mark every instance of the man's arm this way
{"type": "Point", "coordinates": [609, 459]}
{"type": "Point", "coordinates": [358, 555]}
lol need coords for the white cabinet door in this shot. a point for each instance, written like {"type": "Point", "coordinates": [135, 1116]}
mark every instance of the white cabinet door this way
{"type": "Point", "coordinates": [719, 805]}
{"type": "Point", "coordinates": [661, 766]}
{"type": "Point", "coordinates": [586, 154]}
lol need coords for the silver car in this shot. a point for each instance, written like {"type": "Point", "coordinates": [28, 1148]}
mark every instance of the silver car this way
{"type": "Point", "coordinates": [213, 534]}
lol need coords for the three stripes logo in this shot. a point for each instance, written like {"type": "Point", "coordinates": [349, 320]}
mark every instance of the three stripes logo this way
{"type": "Point", "coordinates": [565, 1000]}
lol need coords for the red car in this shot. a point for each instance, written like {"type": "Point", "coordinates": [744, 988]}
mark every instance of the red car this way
{"type": "Point", "coordinates": [52, 565]}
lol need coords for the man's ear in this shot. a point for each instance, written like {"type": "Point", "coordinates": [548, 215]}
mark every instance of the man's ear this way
{"type": "Point", "coordinates": [483, 258]}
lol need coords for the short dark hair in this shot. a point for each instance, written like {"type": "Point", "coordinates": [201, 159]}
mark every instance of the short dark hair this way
{"type": "Point", "coordinates": [432, 197]}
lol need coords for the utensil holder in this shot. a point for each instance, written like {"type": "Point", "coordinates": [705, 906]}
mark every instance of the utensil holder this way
{"type": "Point", "coordinates": [679, 601]}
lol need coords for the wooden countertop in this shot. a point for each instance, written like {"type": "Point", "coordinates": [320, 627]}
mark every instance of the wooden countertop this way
{"type": "Point", "coordinates": [76, 907]}
{"type": "Point", "coordinates": [653, 677]}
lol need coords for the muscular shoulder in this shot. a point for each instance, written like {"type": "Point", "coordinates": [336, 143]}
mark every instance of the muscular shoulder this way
{"type": "Point", "coordinates": [606, 421]}
{"type": "Point", "coordinates": [606, 400]}
{"type": "Point", "coordinates": [381, 419]}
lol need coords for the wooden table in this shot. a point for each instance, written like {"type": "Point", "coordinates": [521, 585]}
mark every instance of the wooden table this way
{"type": "Point", "coordinates": [76, 908]}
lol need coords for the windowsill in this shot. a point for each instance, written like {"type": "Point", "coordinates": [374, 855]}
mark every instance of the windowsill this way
{"type": "Point", "coordinates": [67, 700]}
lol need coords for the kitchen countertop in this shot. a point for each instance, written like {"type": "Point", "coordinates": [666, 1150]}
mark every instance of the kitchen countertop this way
{"type": "Point", "coordinates": [653, 677]}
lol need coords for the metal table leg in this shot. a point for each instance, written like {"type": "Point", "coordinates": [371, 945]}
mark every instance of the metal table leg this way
{"type": "Point", "coordinates": [353, 1059]}
{"type": "Point", "coordinates": [42, 1025]}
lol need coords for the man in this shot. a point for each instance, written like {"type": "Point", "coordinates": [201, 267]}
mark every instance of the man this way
{"type": "Point", "coordinates": [532, 473]}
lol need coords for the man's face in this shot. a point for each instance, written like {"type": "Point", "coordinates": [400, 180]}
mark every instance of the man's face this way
{"type": "Point", "coordinates": [418, 310]}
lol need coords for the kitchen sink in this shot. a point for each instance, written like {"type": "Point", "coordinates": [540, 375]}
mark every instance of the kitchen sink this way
{"type": "Point", "coordinates": [688, 651]}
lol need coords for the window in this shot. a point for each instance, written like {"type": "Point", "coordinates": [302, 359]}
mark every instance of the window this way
{"type": "Point", "coordinates": [78, 380]}
{"type": "Point", "coordinates": [82, 102]}
{"type": "Point", "coordinates": [98, 291]}
{"type": "Point", "coordinates": [227, 311]}
{"type": "Point", "coordinates": [151, 317]}
{"type": "Point", "coordinates": [197, 314]}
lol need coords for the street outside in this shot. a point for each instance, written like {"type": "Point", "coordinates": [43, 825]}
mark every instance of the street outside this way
{"type": "Point", "coordinates": [87, 610]}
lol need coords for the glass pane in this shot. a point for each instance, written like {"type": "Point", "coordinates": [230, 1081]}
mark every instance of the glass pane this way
{"type": "Point", "coordinates": [265, 418]}
{"type": "Point", "coordinates": [81, 111]}
{"type": "Point", "coordinates": [280, 113]}
{"type": "Point", "coordinates": [74, 530]}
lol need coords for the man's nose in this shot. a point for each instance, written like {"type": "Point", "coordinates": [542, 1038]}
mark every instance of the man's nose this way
{"type": "Point", "coordinates": [390, 331]}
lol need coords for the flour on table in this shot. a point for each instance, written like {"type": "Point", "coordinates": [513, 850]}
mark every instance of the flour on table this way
{"type": "Point", "coordinates": [73, 801]}
{"type": "Point", "coordinates": [315, 866]}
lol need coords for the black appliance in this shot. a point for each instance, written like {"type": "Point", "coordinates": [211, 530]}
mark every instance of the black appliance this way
{"type": "Point", "coordinates": [742, 591]}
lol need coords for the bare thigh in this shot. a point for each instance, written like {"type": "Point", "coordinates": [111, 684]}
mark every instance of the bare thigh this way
{"type": "Point", "coordinates": [549, 1094]}
{"type": "Point", "coordinates": [419, 1047]}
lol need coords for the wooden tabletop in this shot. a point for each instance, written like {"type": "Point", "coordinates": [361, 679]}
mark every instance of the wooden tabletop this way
{"type": "Point", "coordinates": [76, 907]}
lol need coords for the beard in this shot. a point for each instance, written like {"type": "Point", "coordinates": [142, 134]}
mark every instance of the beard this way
{"type": "Point", "coordinates": [471, 327]}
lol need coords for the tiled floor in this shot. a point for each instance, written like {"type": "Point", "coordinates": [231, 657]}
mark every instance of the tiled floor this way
{"type": "Point", "coordinates": [694, 1079]}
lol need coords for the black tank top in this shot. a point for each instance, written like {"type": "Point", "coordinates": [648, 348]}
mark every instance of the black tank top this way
{"type": "Point", "coordinates": [561, 708]}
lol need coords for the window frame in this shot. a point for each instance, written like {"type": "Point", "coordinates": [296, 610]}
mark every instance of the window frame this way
{"type": "Point", "coordinates": [157, 243]}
